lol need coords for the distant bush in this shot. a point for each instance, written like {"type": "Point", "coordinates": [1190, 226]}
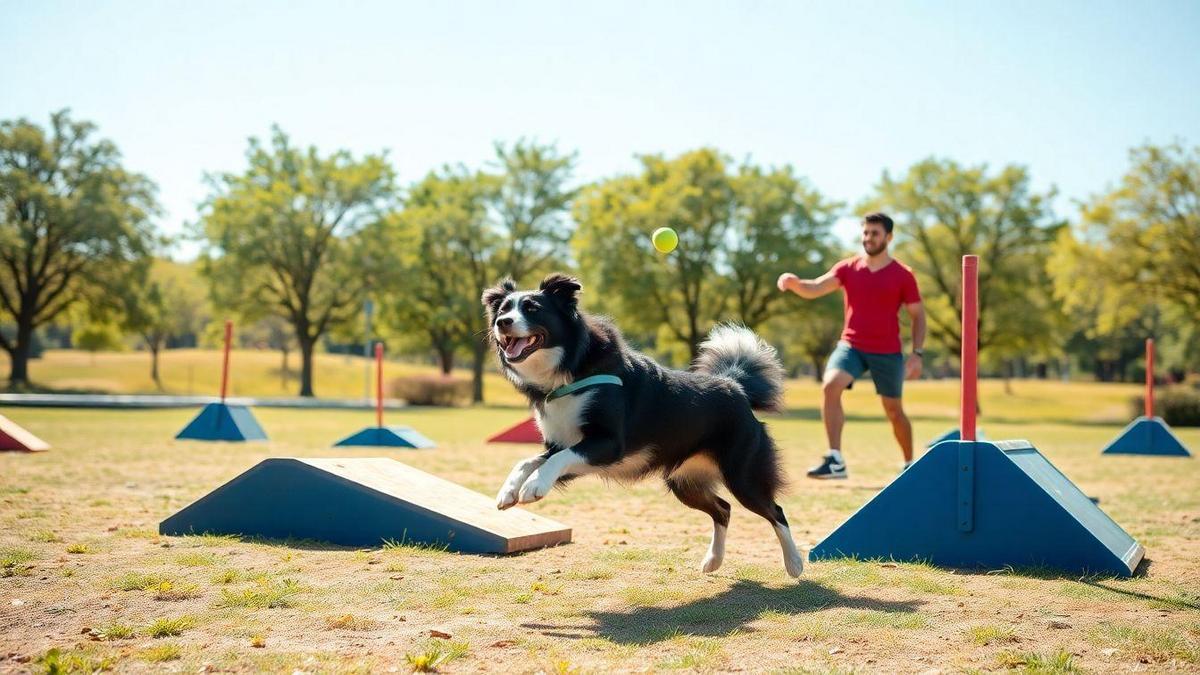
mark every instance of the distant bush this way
{"type": "Point", "coordinates": [432, 390]}
{"type": "Point", "coordinates": [1178, 406]}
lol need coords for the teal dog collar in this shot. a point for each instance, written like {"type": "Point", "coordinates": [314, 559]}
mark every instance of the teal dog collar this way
{"type": "Point", "coordinates": [568, 389]}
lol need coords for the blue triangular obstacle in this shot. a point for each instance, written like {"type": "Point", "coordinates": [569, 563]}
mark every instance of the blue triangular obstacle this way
{"type": "Point", "coordinates": [223, 422]}
{"type": "Point", "coordinates": [364, 501]}
{"type": "Point", "coordinates": [985, 504]}
{"type": "Point", "coordinates": [954, 435]}
{"type": "Point", "coordinates": [388, 437]}
{"type": "Point", "coordinates": [1147, 436]}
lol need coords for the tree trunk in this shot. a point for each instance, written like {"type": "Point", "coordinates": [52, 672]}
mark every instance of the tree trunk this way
{"type": "Point", "coordinates": [154, 349]}
{"type": "Point", "coordinates": [446, 359]}
{"type": "Point", "coordinates": [818, 360]}
{"type": "Point", "coordinates": [19, 356]}
{"type": "Point", "coordinates": [479, 359]}
{"type": "Point", "coordinates": [306, 365]}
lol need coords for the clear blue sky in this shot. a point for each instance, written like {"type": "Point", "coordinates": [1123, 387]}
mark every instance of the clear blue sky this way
{"type": "Point", "coordinates": [840, 90]}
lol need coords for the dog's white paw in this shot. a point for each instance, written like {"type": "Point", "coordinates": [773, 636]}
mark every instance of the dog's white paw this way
{"type": "Point", "coordinates": [794, 565]}
{"type": "Point", "coordinates": [534, 489]}
{"type": "Point", "coordinates": [711, 563]}
{"type": "Point", "coordinates": [507, 498]}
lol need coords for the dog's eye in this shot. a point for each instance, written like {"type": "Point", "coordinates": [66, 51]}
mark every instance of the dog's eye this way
{"type": "Point", "coordinates": [530, 308]}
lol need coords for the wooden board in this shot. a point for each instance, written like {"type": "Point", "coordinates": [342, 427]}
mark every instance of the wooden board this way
{"type": "Point", "coordinates": [523, 529]}
{"type": "Point", "coordinates": [362, 502]}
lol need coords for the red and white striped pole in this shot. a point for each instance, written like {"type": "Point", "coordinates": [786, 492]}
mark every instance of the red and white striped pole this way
{"type": "Point", "coordinates": [379, 384]}
{"type": "Point", "coordinates": [225, 365]}
{"type": "Point", "coordinates": [968, 395]}
{"type": "Point", "coordinates": [1150, 378]}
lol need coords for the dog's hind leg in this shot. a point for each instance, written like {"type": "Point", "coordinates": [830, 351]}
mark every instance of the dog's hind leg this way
{"type": "Point", "coordinates": [753, 480]}
{"type": "Point", "coordinates": [700, 496]}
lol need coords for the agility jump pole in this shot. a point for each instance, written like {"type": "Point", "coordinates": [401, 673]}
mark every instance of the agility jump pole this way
{"type": "Point", "coordinates": [968, 392]}
{"type": "Point", "coordinates": [225, 364]}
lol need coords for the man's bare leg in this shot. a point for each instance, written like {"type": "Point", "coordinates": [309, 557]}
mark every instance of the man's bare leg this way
{"type": "Point", "coordinates": [833, 465]}
{"type": "Point", "coordinates": [835, 382]}
{"type": "Point", "coordinates": [901, 426]}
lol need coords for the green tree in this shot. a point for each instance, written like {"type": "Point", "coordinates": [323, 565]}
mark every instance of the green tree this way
{"type": "Point", "coordinates": [169, 303]}
{"type": "Point", "coordinates": [737, 232]}
{"type": "Point", "coordinates": [943, 211]}
{"type": "Point", "coordinates": [1148, 228]}
{"type": "Point", "coordinates": [462, 231]}
{"type": "Point", "coordinates": [530, 205]}
{"type": "Point", "coordinates": [446, 255]}
{"type": "Point", "coordinates": [97, 336]}
{"type": "Point", "coordinates": [73, 222]}
{"type": "Point", "coordinates": [282, 237]}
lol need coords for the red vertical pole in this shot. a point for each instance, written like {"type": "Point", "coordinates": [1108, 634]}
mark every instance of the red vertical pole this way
{"type": "Point", "coordinates": [225, 365]}
{"type": "Point", "coordinates": [1150, 378]}
{"type": "Point", "coordinates": [970, 346]}
{"type": "Point", "coordinates": [379, 384]}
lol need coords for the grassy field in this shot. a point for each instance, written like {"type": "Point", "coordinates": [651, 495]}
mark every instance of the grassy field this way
{"type": "Point", "coordinates": [88, 584]}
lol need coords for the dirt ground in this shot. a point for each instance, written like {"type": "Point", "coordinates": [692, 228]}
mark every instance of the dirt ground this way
{"type": "Point", "coordinates": [88, 583]}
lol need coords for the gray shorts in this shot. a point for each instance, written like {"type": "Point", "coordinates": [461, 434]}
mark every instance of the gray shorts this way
{"type": "Point", "coordinates": [887, 370]}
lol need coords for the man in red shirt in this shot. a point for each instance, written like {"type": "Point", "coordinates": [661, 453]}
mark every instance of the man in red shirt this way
{"type": "Point", "coordinates": [875, 287]}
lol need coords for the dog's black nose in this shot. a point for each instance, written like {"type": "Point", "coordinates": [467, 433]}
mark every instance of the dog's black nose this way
{"type": "Point", "coordinates": [504, 323]}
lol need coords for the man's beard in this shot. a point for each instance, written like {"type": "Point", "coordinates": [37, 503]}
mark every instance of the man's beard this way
{"type": "Point", "coordinates": [881, 249]}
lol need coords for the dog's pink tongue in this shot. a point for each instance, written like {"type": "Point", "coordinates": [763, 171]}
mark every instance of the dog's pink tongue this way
{"type": "Point", "coordinates": [514, 348]}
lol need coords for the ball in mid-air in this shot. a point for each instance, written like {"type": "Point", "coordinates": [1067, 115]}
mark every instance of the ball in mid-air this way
{"type": "Point", "coordinates": [665, 239]}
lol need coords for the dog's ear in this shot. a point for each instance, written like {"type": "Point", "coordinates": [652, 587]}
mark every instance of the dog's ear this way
{"type": "Point", "coordinates": [493, 296]}
{"type": "Point", "coordinates": [563, 287]}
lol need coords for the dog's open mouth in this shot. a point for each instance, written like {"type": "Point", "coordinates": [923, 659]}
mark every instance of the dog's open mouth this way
{"type": "Point", "coordinates": [518, 348]}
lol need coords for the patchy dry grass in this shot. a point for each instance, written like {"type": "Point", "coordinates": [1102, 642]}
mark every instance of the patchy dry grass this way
{"type": "Point", "coordinates": [164, 627]}
{"type": "Point", "coordinates": [624, 596]}
{"type": "Point", "coordinates": [161, 653]}
{"type": "Point", "coordinates": [435, 654]}
{"type": "Point", "coordinates": [1057, 663]}
{"type": "Point", "coordinates": [987, 635]}
{"type": "Point", "coordinates": [264, 595]}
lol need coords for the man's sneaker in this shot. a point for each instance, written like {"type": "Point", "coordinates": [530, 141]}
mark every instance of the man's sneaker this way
{"type": "Point", "coordinates": [829, 469]}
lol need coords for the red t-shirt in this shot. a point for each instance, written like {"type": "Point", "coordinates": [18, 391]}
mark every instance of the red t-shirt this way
{"type": "Point", "coordinates": [872, 301]}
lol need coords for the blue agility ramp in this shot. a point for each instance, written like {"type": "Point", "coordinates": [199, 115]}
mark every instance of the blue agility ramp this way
{"type": "Point", "coordinates": [362, 502]}
{"type": "Point", "coordinates": [223, 422]}
{"type": "Point", "coordinates": [954, 435]}
{"type": "Point", "coordinates": [1147, 436]}
{"type": "Point", "coordinates": [985, 504]}
{"type": "Point", "coordinates": [387, 437]}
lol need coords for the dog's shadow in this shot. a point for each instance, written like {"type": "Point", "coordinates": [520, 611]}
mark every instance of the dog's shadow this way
{"type": "Point", "coordinates": [716, 615]}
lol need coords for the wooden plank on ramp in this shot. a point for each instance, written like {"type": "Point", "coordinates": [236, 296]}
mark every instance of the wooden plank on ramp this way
{"type": "Point", "coordinates": [362, 502]}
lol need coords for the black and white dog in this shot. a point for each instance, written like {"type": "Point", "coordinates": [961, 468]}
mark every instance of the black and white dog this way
{"type": "Point", "coordinates": [609, 410]}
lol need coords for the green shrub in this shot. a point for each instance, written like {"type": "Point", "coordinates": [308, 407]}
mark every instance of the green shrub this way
{"type": "Point", "coordinates": [1178, 406]}
{"type": "Point", "coordinates": [432, 390]}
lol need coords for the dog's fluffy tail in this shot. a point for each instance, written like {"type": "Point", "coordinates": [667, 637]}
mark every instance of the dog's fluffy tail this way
{"type": "Point", "coordinates": [737, 353]}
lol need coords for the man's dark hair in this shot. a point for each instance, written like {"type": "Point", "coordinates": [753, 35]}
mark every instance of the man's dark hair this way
{"type": "Point", "coordinates": [879, 218]}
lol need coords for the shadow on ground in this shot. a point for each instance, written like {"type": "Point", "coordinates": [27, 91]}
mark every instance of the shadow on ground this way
{"type": "Point", "coordinates": [717, 615]}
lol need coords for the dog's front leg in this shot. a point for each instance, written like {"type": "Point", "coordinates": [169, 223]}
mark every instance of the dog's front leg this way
{"type": "Point", "coordinates": [507, 496]}
{"type": "Point", "coordinates": [543, 478]}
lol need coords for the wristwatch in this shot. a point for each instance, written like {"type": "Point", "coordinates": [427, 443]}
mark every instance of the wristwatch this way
{"type": "Point", "coordinates": [919, 352]}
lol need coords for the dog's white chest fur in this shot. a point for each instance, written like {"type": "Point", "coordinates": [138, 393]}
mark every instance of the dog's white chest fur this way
{"type": "Point", "coordinates": [562, 418]}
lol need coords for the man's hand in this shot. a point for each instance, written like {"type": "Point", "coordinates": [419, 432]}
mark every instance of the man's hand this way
{"type": "Point", "coordinates": [788, 282]}
{"type": "Point", "coordinates": [912, 369]}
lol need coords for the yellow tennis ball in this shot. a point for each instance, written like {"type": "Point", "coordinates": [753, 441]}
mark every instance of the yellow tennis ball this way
{"type": "Point", "coordinates": [665, 239]}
